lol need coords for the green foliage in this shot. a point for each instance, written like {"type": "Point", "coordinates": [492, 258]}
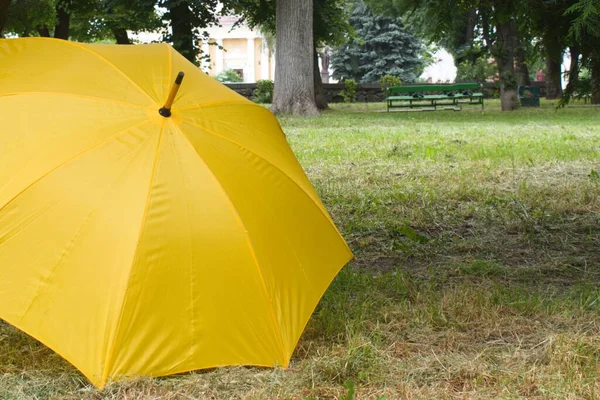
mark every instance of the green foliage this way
{"type": "Point", "coordinates": [263, 93]}
{"type": "Point", "coordinates": [230, 76]}
{"type": "Point", "coordinates": [349, 92]}
{"type": "Point", "coordinates": [24, 16]}
{"type": "Point", "coordinates": [388, 81]}
{"type": "Point", "coordinates": [106, 17]}
{"type": "Point", "coordinates": [381, 46]}
{"type": "Point", "coordinates": [581, 89]}
{"type": "Point", "coordinates": [89, 20]}
{"type": "Point", "coordinates": [480, 71]}
{"type": "Point", "coordinates": [449, 23]}
{"type": "Point", "coordinates": [587, 18]}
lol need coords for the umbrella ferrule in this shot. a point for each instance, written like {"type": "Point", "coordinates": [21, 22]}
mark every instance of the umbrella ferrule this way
{"type": "Point", "coordinates": [165, 110]}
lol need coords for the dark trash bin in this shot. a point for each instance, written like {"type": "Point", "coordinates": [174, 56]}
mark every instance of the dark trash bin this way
{"type": "Point", "coordinates": [529, 96]}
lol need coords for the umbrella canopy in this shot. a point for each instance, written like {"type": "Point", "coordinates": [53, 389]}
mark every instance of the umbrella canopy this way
{"type": "Point", "coordinates": [135, 243]}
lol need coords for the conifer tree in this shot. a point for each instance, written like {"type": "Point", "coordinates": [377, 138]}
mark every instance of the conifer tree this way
{"type": "Point", "coordinates": [380, 46]}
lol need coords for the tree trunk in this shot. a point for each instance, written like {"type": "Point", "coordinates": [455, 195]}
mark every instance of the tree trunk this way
{"type": "Point", "coordinates": [470, 34]}
{"type": "Point", "coordinates": [504, 54]}
{"type": "Point", "coordinates": [43, 31]}
{"type": "Point", "coordinates": [121, 35]}
{"type": "Point", "coordinates": [4, 4]}
{"type": "Point", "coordinates": [181, 24]}
{"type": "Point", "coordinates": [63, 16]}
{"type": "Point", "coordinates": [294, 63]}
{"type": "Point", "coordinates": [522, 69]}
{"type": "Point", "coordinates": [595, 70]}
{"type": "Point", "coordinates": [320, 99]}
{"type": "Point", "coordinates": [553, 75]}
{"type": "Point", "coordinates": [575, 52]}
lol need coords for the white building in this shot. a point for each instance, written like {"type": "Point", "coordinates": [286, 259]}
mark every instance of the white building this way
{"type": "Point", "coordinates": [241, 49]}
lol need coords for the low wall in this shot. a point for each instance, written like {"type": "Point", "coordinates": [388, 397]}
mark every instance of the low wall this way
{"type": "Point", "coordinates": [369, 92]}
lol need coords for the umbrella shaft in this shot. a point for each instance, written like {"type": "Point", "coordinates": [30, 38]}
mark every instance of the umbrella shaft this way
{"type": "Point", "coordinates": [165, 111]}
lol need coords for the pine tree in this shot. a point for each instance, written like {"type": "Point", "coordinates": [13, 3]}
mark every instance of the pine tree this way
{"type": "Point", "coordinates": [380, 46]}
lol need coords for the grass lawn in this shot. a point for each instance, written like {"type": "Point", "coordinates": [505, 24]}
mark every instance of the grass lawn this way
{"type": "Point", "coordinates": [477, 271]}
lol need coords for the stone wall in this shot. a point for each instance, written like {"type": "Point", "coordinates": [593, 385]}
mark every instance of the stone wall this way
{"type": "Point", "coordinates": [369, 92]}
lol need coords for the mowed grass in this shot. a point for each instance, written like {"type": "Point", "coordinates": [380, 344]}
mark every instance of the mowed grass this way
{"type": "Point", "coordinates": [477, 270]}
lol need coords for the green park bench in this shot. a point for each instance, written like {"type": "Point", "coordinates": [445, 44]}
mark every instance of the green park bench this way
{"type": "Point", "coordinates": [426, 96]}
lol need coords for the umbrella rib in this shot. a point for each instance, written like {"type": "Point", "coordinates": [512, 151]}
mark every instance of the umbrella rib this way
{"type": "Point", "coordinates": [210, 132]}
{"type": "Point", "coordinates": [170, 69]}
{"type": "Point", "coordinates": [110, 351]}
{"type": "Point", "coordinates": [248, 241]}
{"type": "Point", "coordinates": [73, 240]}
{"type": "Point", "coordinates": [107, 140]}
{"type": "Point", "coordinates": [73, 95]}
{"type": "Point", "coordinates": [191, 255]}
{"type": "Point", "coordinates": [240, 102]}
{"type": "Point", "coordinates": [111, 64]}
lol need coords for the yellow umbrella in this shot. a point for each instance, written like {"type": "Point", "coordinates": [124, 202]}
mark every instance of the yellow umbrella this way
{"type": "Point", "coordinates": [139, 243]}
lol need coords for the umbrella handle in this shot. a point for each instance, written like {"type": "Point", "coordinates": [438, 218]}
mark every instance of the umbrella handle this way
{"type": "Point", "coordinates": [165, 110]}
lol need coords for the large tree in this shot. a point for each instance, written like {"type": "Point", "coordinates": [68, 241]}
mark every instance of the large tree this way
{"type": "Point", "coordinates": [330, 27]}
{"type": "Point", "coordinates": [294, 72]}
{"type": "Point", "coordinates": [380, 46]}
{"type": "Point", "coordinates": [551, 26]}
{"type": "Point", "coordinates": [188, 20]}
{"type": "Point", "coordinates": [503, 50]}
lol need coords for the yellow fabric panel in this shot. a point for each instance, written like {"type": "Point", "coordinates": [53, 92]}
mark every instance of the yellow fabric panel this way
{"type": "Point", "coordinates": [60, 66]}
{"type": "Point", "coordinates": [45, 136]}
{"type": "Point", "coordinates": [147, 65]}
{"type": "Point", "coordinates": [291, 235]}
{"type": "Point", "coordinates": [199, 89]}
{"type": "Point", "coordinates": [254, 128]}
{"type": "Point", "coordinates": [67, 244]}
{"type": "Point", "coordinates": [195, 298]}
{"type": "Point", "coordinates": [134, 244]}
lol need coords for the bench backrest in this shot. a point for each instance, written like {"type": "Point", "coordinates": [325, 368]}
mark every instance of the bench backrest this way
{"type": "Point", "coordinates": [432, 88]}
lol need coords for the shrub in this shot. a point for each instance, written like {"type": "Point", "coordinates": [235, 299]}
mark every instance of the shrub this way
{"type": "Point", "coordinates": [480, 71]}
{"type": "Point", "coordinates": [264, 91]}
{"type": "Point", "coordinates": [230, 76]}
{"type": "Point", "coordinates": [389, 81]}
{"type": "Point", "coordinates": [349, 92]}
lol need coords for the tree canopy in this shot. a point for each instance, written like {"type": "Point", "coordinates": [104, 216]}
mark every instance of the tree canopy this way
{"type": "Point", "coordinates": [514, 33]}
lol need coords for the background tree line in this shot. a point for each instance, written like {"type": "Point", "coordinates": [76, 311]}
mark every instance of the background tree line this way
{"type": "Point", "coordinates": [516, 34]}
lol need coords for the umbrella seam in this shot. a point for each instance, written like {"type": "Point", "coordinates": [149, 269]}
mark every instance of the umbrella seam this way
{"type": "Point", "coordinates": [77, 234]}
{"type": "Point", "coordinates": [170, 69]}
{"type": "Point", "coordinates": [219, 102]}
{"type": "Point", "coordinates": [75, 44]}
{"type": "Point", "coordinates": [248, 242]}
{"type": "Point", "coordinates": [212, 133]}
{"type": "Point", "coordinates": [110, 352]}
{"type": "Point", "coordinates": [188, 219]}
{"type": "Point", "coordinates": [77, 96]}
{"type": "Point", "coordinates": [70, 160]}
